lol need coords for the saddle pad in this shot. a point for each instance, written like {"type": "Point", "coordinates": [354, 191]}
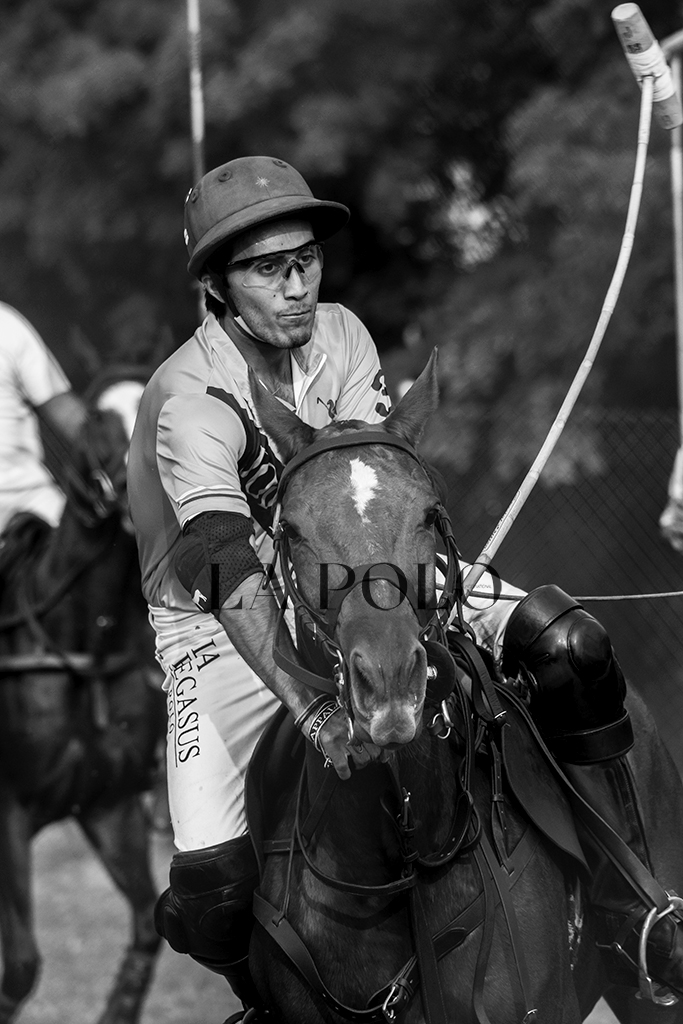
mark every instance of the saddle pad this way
{"type": "Point", "coordinates": [533, 784]}
{"type": "Point", "coordinates": [274, 768]}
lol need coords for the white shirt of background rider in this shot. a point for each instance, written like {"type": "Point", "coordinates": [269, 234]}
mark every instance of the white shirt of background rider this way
{"type": "Point", "coordinates": [29, 377]}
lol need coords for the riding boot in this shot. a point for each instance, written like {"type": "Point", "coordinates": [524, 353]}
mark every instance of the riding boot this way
{"type": "Point", "coordinates": [206, 912]}
{"type": "Point", "coordinates": [610, 789]}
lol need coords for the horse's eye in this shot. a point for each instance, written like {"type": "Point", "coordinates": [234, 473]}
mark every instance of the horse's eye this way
{"type": "Point", "coordinates": [289, 529]}
{"type": "Point", "coordinates": [430, 518]}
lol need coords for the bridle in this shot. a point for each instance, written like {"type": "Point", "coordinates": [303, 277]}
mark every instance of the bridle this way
{"type": "Point", "coordinates": [94, 495]}
{"type": "Point", "coordinates": [319, 627]}
{"type": "Point", "coordinates": [464, 833]}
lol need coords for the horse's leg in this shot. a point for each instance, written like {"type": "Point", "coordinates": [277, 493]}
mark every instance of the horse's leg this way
{"type": "Point", "coordinates": [120, 835]}
{"type": "Point", "coordinates": [20, 952]}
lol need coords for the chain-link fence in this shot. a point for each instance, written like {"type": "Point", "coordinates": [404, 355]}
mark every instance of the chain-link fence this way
{"type": "Point", "coordinates": [595, 537]}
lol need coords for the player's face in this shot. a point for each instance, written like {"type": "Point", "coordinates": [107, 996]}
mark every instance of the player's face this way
{"type": "Point", "coordinates": [273, 277]}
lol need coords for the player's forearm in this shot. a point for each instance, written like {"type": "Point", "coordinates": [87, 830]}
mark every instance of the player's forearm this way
{"type": "Point", "coordinates": [249, 617]}
{"type": "Point", "coordinates": [488, 609]}
{"type": "Point", "coordinates": [64, 414]}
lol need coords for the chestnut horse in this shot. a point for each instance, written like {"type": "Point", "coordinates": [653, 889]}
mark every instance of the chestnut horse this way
{"type": "Point", "coordinates": [418, 890]}
{"type": "Point", "coordinates": [79, 720]}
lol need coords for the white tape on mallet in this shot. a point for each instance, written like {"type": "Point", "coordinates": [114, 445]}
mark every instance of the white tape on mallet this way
{"type": "Point", "coordinates": [646, 57]}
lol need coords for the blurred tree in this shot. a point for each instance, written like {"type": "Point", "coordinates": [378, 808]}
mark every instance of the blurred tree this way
{"type": "Point", "coordinates": [485, 150]}
{"type": "Point", "coordinates": [514, 328]}
{"type": "Point", "coordinates": [371, 102]}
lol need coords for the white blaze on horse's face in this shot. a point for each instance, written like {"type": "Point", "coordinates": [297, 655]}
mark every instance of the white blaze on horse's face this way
{"type": "Point", "coordinates": [364, 484]}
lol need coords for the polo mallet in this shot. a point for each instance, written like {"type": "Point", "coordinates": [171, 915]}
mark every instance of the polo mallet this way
{"type": "Point", "coordinates": [648, 63]}
{"type": "Point", "coordinates": [672, 47]}
{"type": "Point", "coordinates": [197, 120]}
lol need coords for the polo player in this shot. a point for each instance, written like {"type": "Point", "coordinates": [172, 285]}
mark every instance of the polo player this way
{"type": "Point", "coordinates": [33, 389]}
{"type": "Point", "coordinates": [202, 482]}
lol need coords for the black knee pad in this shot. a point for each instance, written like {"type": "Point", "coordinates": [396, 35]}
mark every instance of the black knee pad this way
{"type": "Point", "coordinates": [206, 911]}
{"type": "Point", "coordinates": [576, 686]}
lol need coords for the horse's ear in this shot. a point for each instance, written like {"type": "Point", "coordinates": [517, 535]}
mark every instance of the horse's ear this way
{"type": "Point", "coordinates": [410, 416]}
{"type": "Point", "coordinates": [289, 432]}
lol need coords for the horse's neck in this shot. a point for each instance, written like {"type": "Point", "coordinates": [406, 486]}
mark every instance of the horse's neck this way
{"type": "Point", "coordinates": [358, 830]}
{"type": "Point", "coordinates": [94, 562]}
{"type": "Point", "coordinates": [74, 543]}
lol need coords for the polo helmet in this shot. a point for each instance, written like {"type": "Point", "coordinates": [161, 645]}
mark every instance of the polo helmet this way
{"type": "Point", "coordinates": [245, 192]}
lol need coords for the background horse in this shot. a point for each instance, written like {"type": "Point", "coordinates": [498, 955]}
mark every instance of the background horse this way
{"type": "Point", "coordinates": [79, 720]}
{"type": "Point", "coordinates": [360, 875]}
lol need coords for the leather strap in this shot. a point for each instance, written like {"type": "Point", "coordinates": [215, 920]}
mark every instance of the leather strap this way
{"type": "Point", "coordinates": [324, 683]}
{"type": "Point", "coordinates": [612, 845]}
{"type": "Point", "coordinates": [407, 980]}
{"type": "Point", "coordinates": [354, 888]}
{"type": "Point", "coordinates": [430, 982]}
{"type": "Point", "coordinates": [484, 696]}
{"type": "Point", "coordinates": [502, 883]}
{"type": "Point", "coordinates": [350, 440]}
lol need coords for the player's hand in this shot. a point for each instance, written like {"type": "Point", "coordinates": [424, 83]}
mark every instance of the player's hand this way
{"type": "Point", "coordinates": [335, 745]}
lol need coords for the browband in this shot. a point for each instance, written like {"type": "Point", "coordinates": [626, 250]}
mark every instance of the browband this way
{"type": "Point", "coordinates": [350, 440]}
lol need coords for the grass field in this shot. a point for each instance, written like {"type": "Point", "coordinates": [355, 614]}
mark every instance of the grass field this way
{"type": "Point", "coordinates": [82, 926]}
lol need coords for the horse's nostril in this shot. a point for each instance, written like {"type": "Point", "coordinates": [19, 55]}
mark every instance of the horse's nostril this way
{"type": "Point", "coordinates": [393, 729]}
{"type": "Point", "coordinates": [362, 677]}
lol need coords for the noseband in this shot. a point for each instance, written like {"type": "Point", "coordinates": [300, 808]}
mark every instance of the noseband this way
{"type": "Point", "coordinates": [319, 629]}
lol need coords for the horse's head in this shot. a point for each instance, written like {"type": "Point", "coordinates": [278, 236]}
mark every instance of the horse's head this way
{"type": "Point", "coordinates": [358, 512]}
{"type": "Point", "coordinates": [101, 451]}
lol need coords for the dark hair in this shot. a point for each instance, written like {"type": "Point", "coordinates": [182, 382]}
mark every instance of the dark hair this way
{"type": "Point", "coordinates": [214, 305]}
{"type": "Point", "coordinates": [216, 264]}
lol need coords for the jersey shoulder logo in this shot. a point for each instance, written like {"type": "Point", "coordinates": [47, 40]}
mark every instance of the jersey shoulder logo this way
{"type": "Point", "coordinates": [330, 405]}
{"type": "Point", "coordinates": [383, 401]}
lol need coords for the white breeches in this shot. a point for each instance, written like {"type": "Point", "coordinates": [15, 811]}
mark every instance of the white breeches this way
{"type": "Point", "coordinates": [217, 710]}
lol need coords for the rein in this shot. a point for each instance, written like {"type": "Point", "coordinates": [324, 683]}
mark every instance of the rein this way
{"type": "Point", "coordinates": [93, 493]}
